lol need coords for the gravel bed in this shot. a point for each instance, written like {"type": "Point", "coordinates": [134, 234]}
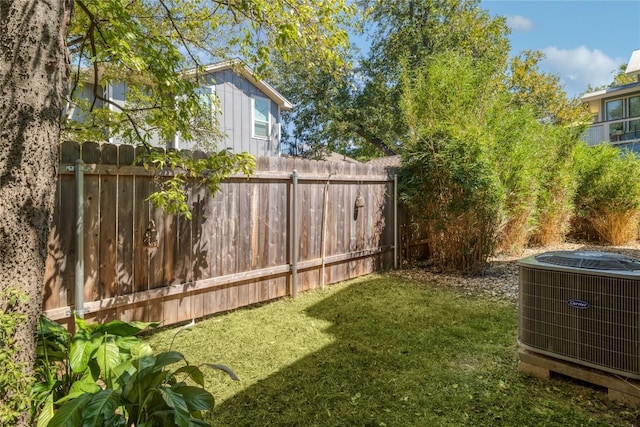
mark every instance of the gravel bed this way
{"type": "Point", "coordinates": [500, 280]}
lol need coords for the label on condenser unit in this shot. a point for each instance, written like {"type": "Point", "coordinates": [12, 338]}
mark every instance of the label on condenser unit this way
{"type": "Point", "coordinates": [576, 303]}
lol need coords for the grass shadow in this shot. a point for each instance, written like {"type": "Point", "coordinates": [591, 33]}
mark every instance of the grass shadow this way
{"type": "Point", "coordinates": [404, 354]}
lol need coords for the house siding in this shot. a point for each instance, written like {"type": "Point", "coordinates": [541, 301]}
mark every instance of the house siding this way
{"type": "Point", "coordinates": [235, 94]}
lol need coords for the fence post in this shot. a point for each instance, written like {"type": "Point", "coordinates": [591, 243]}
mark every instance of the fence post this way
{"type": "Point", "coordinates": [395, 221]}
{"type": "Point", "coordinates": [79, 285]}
{"type": "Point", "coordinates": [294, 237]}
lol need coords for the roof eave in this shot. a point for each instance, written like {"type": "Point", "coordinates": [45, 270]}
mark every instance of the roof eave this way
{"type": "Point", "coordinates": [247, 73]}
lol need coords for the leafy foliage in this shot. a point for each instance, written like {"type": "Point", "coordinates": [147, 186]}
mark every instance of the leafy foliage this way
{"type": "Point", "coordinates": [555, 203]}
{"type": "Point", "coordinates": [148, 45]}
{"type": "Point", "coordinates": [543, 92]}
{"type": "Point", "coordinates": [105, 375]}
{"type": "Point", "coordinates": [361, 107]}
{"type": "Point", "coordinates": [154, 51]}
{"type": "Point", "coordinates": [608, 193]}
{"type": "Point", "coordinates": [447, 175]}
{"type": "Point", "coordinates": [481, 167]}
{"type": "Point", "coordinates": [14, 383]}
{"type": "Point", "coordinates": [208, 170]}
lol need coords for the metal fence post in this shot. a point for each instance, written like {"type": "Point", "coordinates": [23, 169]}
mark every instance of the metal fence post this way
{"type": "Point", "coordinates": [79, 285]}
{"type": "Point", "coordinates": [294, 237]}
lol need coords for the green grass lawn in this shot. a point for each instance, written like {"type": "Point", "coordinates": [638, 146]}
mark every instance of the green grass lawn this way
{"type": "Point", "coordinates": [381, 351]}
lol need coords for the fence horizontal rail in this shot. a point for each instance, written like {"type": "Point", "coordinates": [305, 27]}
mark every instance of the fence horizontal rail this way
{"type": "Point", "coordinates": [113, 170]}
{"type": "Point", "coordinates": [210, 283]}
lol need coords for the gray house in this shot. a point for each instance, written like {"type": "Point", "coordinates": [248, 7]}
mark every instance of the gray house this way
{"type": "Point", "coordinates": [249, 113]}
{"type": "Point", "coordinates": [616, 111]}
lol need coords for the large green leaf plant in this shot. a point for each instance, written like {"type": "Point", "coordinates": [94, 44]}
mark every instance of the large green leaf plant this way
{"type": "Point", "coordinates": [105, 375]}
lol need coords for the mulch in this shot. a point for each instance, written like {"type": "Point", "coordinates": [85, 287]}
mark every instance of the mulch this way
{"type": "Point", "coordinates": [500, 279]}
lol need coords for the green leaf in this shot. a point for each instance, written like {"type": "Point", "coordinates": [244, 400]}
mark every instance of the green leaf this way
{"type": "Point", "coordinates": [70, 414]}
{"type": "Point", "coordinates": [176, 401]}
{"type": "Point", "coordinates": [123, 329]}
{"type": "Point", "coordinates": [46, 412]}
{"type": "Point", "coordinates": [84, 385]}
{"type": "Point", "coordinates": [101, 407]}
{"type": "Point", "coordinates": [167, 358]}
{"type": "Point", "coordinates": [193, 372]}
{"type": "Point", "coordinates": [108, 358]}
{"type": "Point", "coordinates": [81, 349]}
{"type": "Point", "coordinates": [138, 385]}
{"type": "Point", "coordinates": [196, 398]}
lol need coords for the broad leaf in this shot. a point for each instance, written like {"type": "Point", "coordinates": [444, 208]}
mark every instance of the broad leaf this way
{"type": "Point", "coordinates": [192, 372]}
{"type": "Point", "coordinates": [140, 384]}
{"type": "Point", "coordinates": [46, 412]}
{"type": "Point", "coordinates": [123, 329]}
{"type": "Point", "coordinates": [81, 349]}
{"type": "Point", "coordinates": [176, 401]}
{"type": "Point", "coordinates": [108, 358]}
{"type": "Point", "coordinates": [101, 407]}
{"type": "Point", "coordinates": [196, 398]}
{"type": "Point", "coordinates": [86, 384]}
{"type": "Point", "coordinates": [70, 414]}
{"type": "Point", "coordinates": [167, 358]}
{"type": "Point", "coordinates": [53, 340]}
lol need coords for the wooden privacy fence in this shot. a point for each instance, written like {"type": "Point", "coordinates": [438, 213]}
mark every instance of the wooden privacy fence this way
{"type": "Point", "coordinates": [251, 242]}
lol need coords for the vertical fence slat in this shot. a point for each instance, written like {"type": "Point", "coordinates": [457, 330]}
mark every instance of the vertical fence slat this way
{"type": "Point", "coordinates": [108, 222]}
{"type": "Point", "coordinates": [140, 249]}
{"type": "Point", "coordinates": [54, 295]}
{"type": "Point", "coordinates": [91, 155]}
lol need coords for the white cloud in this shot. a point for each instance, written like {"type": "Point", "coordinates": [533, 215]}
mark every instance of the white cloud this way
{"type": "Point", "coordinates": [519, 23]}
{"type": "Point", "coordinates": [580, 67]}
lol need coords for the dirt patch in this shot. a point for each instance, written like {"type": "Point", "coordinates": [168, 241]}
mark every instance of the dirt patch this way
{"type": "Point", "coordinates": [500, 280]}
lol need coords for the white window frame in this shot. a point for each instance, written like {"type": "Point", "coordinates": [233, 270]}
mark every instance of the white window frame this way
{"type": "Point", "coordinates": [254, 121]}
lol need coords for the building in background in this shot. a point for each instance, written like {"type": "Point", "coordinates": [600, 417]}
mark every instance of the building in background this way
{"type": "Point", "coordinates": [616, 111]}
{"type": "Point", "coordinates": [248, 110]}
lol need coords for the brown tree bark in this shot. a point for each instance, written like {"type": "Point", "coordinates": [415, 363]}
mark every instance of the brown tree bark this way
{"type": "Point", "coordinates": [33, 79]}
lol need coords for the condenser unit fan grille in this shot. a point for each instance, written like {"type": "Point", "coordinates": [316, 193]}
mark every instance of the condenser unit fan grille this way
{"type": "Point", "coordinates": [591, 319]}
{"type": "Point", "coordinates": [591, 260]}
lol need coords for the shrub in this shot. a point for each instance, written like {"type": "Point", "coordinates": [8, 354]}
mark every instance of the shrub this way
{"type": "Point", "coordinates": [447, 177]}
{"type": "Point", "coordinates": [608, 193]}
{"type": "Point", "coordinates": [518, 153]}
{"type": "Point", "coordinates": [104, 375]}
{"type": "Point", "coordinates": [453, 191]}
{"type": "Point", "coordinates": [555, 202]}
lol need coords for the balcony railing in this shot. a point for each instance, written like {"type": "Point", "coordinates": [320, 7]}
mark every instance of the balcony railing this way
{"type": "Point", "coordinates": [613, 132]}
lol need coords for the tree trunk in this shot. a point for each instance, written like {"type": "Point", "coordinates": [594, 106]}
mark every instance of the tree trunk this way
{"type": "Point", "coordinates": [33, 78]}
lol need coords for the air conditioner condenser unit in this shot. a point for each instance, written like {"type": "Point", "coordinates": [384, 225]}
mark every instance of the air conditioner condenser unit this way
{"type": "Point", "coordinates": [582, 307]}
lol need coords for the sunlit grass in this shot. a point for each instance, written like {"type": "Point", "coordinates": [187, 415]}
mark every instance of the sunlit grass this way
{"type": "Point", "coordinates": [381, 351]}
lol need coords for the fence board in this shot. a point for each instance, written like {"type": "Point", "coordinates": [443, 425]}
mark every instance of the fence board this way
{"type": "Point", "coordinates": [183, 271]}
{"type": "Point", "coordinates": [53, 296]}
{"type": "Point", "coordinates": [108, 227]}
{"type": "Point", "coordinates": [91, 235]}
{"type": "Point", "coordinates": [140, 248]}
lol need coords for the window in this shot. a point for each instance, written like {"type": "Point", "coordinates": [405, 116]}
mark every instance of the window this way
{"type": "Point", "coordinates": [634, 106]}
{"type": "Point", "coordinates": [261, 117]}
{"type": "Point", "coordinates": [614, 112]}
{"type": "Point", "coordinates": [206, 97]}
{"type": "Point", "coordinates": [634, 111]}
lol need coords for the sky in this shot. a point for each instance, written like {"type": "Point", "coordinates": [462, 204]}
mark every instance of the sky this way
{"type": "Point", "coordinates": [584, 41]}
